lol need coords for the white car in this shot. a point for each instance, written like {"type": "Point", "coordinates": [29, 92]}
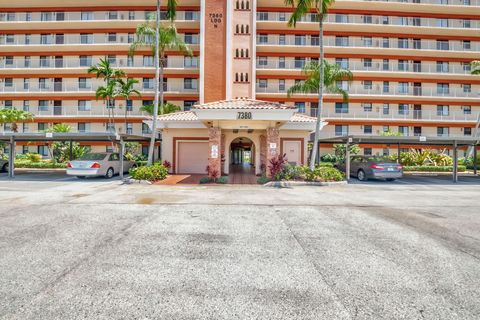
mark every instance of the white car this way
{"type": "Point", "coordinates": [3, 165]}
{"type": "Point", "coordinates": [105, 164]}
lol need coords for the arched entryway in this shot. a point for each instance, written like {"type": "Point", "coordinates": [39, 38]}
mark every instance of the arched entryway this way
{"type": "Point", "coordinates": [242, 161]}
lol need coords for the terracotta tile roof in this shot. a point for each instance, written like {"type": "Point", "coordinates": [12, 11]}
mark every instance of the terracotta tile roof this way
{"type": "Point", "coordinates": [299, 117]}
{"type": "Point", "coordinates": [242, 104]}
{"type": "Point", "coordinates": [178, 116]}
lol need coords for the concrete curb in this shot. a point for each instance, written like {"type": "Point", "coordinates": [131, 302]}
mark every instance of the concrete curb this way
{"type": "Point", "coordinates": [131, 181]}
{"type": "Point", "coordinates": [288, 184]}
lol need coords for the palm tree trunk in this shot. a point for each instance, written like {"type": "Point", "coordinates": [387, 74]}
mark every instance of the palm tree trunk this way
{"type": "Point", "coordinates": [315, 150]}
{"type": "Point", "coordinates": [157, 76]}
{"type": "Point", "coordinates": [126, 102]}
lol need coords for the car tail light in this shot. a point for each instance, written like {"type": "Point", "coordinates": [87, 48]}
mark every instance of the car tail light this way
{"type": "Point", "coordinates": [96, 165]}
{"type": "Point", "coordinates": [69, 165]}
{"type": "Point", "coordinates": [399, 167]}
{"type": "Point", "coordinates": [377, 167]}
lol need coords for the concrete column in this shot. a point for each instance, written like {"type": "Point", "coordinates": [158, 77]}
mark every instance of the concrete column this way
{"type": "Point", "coordinates": [121, 146]}
{"type": "Point", "coordinates": [347, 161]}
{"type": "Point", "coordinates": [273, 146]}
{"type": "Point", "coordinates": [222, 152]}
{"type": "Point", "coordinates": [214, 149]}
{"type": "Point", "coordinates": [455, 162]}
{"type": "Point", "coordinates": [11, 159]}
{"type": "Point", "coordinates": [475, 160]}
{"type": "Point", "coordinates": [263, 153]}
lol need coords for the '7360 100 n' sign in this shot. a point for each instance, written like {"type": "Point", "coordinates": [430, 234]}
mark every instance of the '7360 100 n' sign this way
{"type": "Point", "coordinates": [215, 19]}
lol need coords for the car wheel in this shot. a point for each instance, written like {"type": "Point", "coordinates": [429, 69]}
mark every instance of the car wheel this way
{"type": "Point", "coordinates": [361, 175]}
{"type": "Point", "coordinates": [4, 168]}
{"type": "Point", "coordinates": [109, 173]}
{"type": "Point", "coordinates": [80, 177]}
{"type": "Point", "coordinates": [390, 179]}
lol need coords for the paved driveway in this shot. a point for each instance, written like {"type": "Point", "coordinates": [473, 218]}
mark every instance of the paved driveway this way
{"type": "Point", "coordinates": [97, 249]}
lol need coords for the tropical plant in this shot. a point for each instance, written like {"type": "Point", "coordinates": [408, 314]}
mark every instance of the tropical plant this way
{"type": "Point", "coordinates": [60, 151]}
{"type": "Point", "coordinates": [276, 165]}
{"type": "Point", "coordinates": [166, 38]}
{"type": "Point", "coordinates": [341, 150]}
{"type": "Point", "coordinates": [332, 73]}
{"type": "Point", "coordinates": [126, 90]}
{"type": "Point", "coordinates": [319, 173]}
{"type": "Point", "coordinates": [300, 9]}
{"type": "Point", "coordinates": [475, 67]}
{"type": "Point", "coordinates": [164, 109]}
{"type": "Point", "coordinates": [425, 157]}
{"type": "Point", "coordinates": [151, 173]}
{"type": "Point", "coordinates": [109, 91]}
{"type": "Point", "coordinates": [14, 116]}
{"type": "Point", "coordinates": [390, 133]}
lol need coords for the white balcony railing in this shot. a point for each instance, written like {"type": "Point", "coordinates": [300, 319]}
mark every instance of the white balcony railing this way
{"type": "Point", "coordinates": [357, 113]}
{"type": "Point", "coordinates": [392, 91]}
{"type": "Point", "coordinates": [366, 42]}
{"type": "Point", "coordinates": [391, 66]}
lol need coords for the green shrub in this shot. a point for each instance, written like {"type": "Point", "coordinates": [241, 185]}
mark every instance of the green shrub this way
{"type": "Point", "coordinates": [205, 180]}
{"type": "Point", "coordinates": [152, 173]}
{"type": "Point", "coordinates": [46, 164]}
{"type": "Point", "coordinates": [33, 157]}
{"type": "Point", "coordinates": [263, 180]}
{"type": "Point", "coordinates": [222, 180]}
{"type": "Point", "coordinates": [433, 168]}
{"type": "Point", "coordinates": [322, 174]}
{"type": "Point", "coordinates": [289, 172]}
{"type": "Point", "coordinates": [328, 158]}
{"type": "Point", "coordinates": [326, 164]}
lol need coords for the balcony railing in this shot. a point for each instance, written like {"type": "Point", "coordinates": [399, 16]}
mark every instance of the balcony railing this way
{"type": "Point", "coordinates": [69, 111]}
{"type": "Point", "coordinates": [90, 16]}
{"type": "Point", "coordinates": [372, 66]}
{"type": "Point", "coordinates": [75, 62]}
{"type": "Point", "coordinates": [393, 91]}
{"type": "Point", "coordinates": [351, 42]}
{"type": "Point", "coordinates": [373, 19]}
{"type": "Point", "coordinates": [395, 115]}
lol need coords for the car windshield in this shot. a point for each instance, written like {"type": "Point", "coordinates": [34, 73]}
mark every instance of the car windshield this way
{"type": "Point", "coordinates": [378, 159]}
{"type": "Point", "coordinates": [93, 157]}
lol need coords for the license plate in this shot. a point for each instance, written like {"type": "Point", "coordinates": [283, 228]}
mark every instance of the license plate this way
{"type": "Point", "coordinates": [390, 169]}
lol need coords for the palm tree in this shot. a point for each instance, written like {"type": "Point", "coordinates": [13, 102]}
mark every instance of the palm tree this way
{"type": "Point", "coordinates": [475, 67]}
{"type": "Point", "coordinates": [302, 8]}
{"type": "Point", "coordinates": [166, 38]}
{"type": "Point", "coordinates": [110, 75]}
{"type": "Point", "coordinates": [125, 90]}
{"type": "Point", "coordinates": [14, 116]}
{"type": "Point", "coordinates": [332, 73]}
{"type": "Point", "coordinates": [167, 108]}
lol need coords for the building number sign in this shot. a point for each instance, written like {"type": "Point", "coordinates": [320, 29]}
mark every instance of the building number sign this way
{"type": "Point", "coordinates": [244, 115]}
{"type": "Point", "coordinates": [215, 19]}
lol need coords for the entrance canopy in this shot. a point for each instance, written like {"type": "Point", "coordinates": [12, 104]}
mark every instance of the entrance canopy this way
{"type": "Point", "coordinates": [246, 114]}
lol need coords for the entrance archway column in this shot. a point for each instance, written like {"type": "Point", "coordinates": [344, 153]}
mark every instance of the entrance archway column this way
{"type": "Point", "coordinates": [273, 146]}
{"type": "Point", "coordinates": [214, 150]}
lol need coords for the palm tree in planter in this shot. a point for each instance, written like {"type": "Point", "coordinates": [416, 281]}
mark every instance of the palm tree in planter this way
{"type": "Point", "coordinates": [302, 8]}
{"type": "Point", "coordinates": [14, 116]}
{"type": "Point", "coordinates": [167, 108]}
{"type": "Point", "coordinates": [126, 90]}
{"type": "Point", "coordinates": [108, 92]}
{"type": "Point", "coordinates": [475, 67]}
{"type": "Point", "coordinates": [166, 38]}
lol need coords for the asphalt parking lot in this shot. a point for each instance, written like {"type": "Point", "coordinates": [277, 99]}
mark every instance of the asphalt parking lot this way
{"type": "Point", "coordinates": [98, 249]}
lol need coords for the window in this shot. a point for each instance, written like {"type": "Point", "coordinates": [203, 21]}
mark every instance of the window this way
{"type": "Point", "coordinates": [187, 105]}
{"type": "Point", "coordinates": [8, 83]}
{"type": "Point", "coordinates": [466, 67]}
{"type": "Point", "coordinates": [467, 45]}
{"type": "Point", "coordinates": [416, 21]}
{"type": "Point", "coordinates": [467, 23]}
{"type": "Point", "coordinates": [46, 16]}
{"type": "Point", "coordinates": [26, 84]}
{"type": "Point", "coordinates": [386, 152]}
{"type": "Point", "coordinates": [108, 148]}
{"type": "Point", "coordinates": [342, 62]}
{"type": "Point", "coordinates": [45, 39]}
{"type": "Point", "coordinates": [8, 61]}
{"type": "Point", "coordinates": [42, 83]}
{"type": "Point", "coordinates": [442, 45]}
{"type": "Point", "coordinates": [263, 39]}
{"type": "Point", "coordinates": [42, 106]}
{"type": "Point", "coordinates": [112, 59]}
{"type": "Point", "coordinates": [385, 20]}
{"type": "Point", "coordinates": [262, 83]}
{"type": "Point", "coordinates": [442, 23]}
{"type": "Point", "coordinates": [367, 151]}
{"type": "Point", "coordinates": [442, 131]}
{"type": "Point", "coordinates": [130, 38]}
{"type": "Point", "coordinates": [299, 62]}
{"type": "Point", "coordinates": [402, 65]}
{"type": "Point", "coordinates": [386, 86]}
{"type": "Point", "coordinates": [189, 62]}
{"type": "Point", "coordinates": [263, 16]}
{"type": "Point", "coordinates": [262, 61]}
{"type": "Point", "coordinates": [341, 130]}
{"type": "Point", "coordinates": [341, 18]}
{"type": "Point", "coordinates": [84, 83]}
{"type": "Point", "coordinates": [83, 127]}
{"type": "Point", "coordinates": [367, 106]}
{"type": "Point", "coordinates": [282, 40]}
{"type": "Point", "coordinates": [129, 128]}
{"type": "Point", "coordinates": [417, 43]}
{"type": "Point", "coordinates": [147, 83]}
{"type": "Point", "coordinates": [86, 38]}
{"type": "Point", "coordinates": [26, 105]}
{"type": "Point", "coordinates": [367, 19]}
{"type": "Point", "coordinates": [403, 109]}
{"type": "Point", "coordinates": [300, 106]}
{"type": "Point", "coordinates": [467, 88]}
{"type": "Point", "coordinates": [282, 16]}
{"type": "Point", "coordinates": [130, 61]}
{"type": "Point", "coordinates": [341, 107]}
{"type": "Point", "coordinates": [145, 129]}
{"type": "Point", "coordinates": [27, 61]}
{"type": "Point", "coordinates": [386, 108]}
{"type": "Point", "coordinates": [112, 37]}
{"type": "Point", "coordinates": [131, 15]}
{"type": "Point", "coordinates": [113, 15]}
{"type": "Point", "coordinates": [189, 83]}
{"type": "Point", "coordinates": [110, 127]}
{"type": "Point", "coordinates": [189, 15]}
{"type": "Point", "coordinates": [386, 43]}
{"type": "Point", "coordinates": [467, 131]}
{"type": "Point", "coordinates": [402, 88]}
{"type": "Point", "coordinates": [386, 129]}
{"type": "Point", "coordinates": [443, 111]}
{"type": "Point", "coordinates": [148, 61]}
{"type": "Point", "coordinates": [367, 63]}
{"type": "Point", "coordinates": [8, 104]}
{"type": "Point", "coordinates": [314, 40]}
{"type": "Point", "coordinates": [84, 105]}
{"type": "Point", "coordinates": [367, 84]}
{"type": "Point", "coordinates": [300, 40]}
{"type": "Point", "coordinates": [467, 109]}
{"type": "Point", "coordinates": [86, 15]}
{"type": "Point", "coordinates": [403, 43]}
{"type": "Point", "coordinates": [386, 65]}
{"type": "Point", "coordinates": [343, 84]}
{"type": "Point", "coordinates": [9, 39]}
{"type": "Point", "coordinates": [313, 109]}
{"type": "Point", "coordinates": [281, 85]}
{"type": "Point", "coordinates": [25, 148]}
{"type": "Point", "coordinates": [44, 62]}
{"type": "Point", "coordinates": [442, 66]}
{"type": "Point", "coordinates": [28, 39]}
{"type": "Point", "coordinates": [341, 41]}
{"type": "Point", "coordinates": [443, 88]}
{"type": "Point", "coordinates": [403, 130]}
{"type": "Point", "coordinates": [367, 41]}
{"type": "Point", "coordinates": [43, 150]}
{"type": "Point", "coordinates": [85, 61]}
{"type": "Point", "coordinates": [281, 63]}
